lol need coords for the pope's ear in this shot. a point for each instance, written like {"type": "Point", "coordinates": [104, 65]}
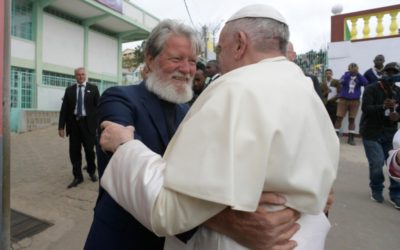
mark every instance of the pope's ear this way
{"type": "Point", "coordinates": [241, 40]}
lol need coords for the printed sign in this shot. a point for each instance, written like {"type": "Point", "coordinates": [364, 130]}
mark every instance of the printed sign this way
{"type": "Point", "coordinates": [112, 4]}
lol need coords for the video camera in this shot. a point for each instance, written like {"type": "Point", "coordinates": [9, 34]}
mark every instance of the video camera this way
{"type": "Point", "coordinates": [393, 78]}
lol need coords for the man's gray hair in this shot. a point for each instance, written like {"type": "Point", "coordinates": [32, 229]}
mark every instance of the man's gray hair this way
{"type": "Point", "coordinates": [80, 68]}
{"type": "Point", "coordinates": [159, 35]}
{"type": "Point", "coordinates": [263, 32]}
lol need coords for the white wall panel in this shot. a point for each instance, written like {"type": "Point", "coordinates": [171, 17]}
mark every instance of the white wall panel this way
{"type": "Point", "coordinates": [341, 54]}
{"type": "Point", "coordinates": [50, 98]}
{"type": "Point", "coordinates": [22, 49]}
{"type": "Point", "coordinates": [103, 54]}
{"type": "Point", "coordinates": [62, 42]}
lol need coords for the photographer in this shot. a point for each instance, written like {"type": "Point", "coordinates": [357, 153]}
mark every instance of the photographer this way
{"type": "Point", "coordinates": [380, 107]}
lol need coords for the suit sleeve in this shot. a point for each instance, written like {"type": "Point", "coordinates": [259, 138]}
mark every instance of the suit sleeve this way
{"type": "Point", "coordinates": [139, 190]}
{"type": "Point", "coordinates": [317, 86]}
{"type": "Point", "coordinates": [96, 97]}
{"type": "Point", "coordinates": [114, 105]}
{"type": "Point", "coordinates": [324, 89]}
{"type": "Point", "coordinates": [63, 112]}
{"type": "Point", "coordinates": [368, 104]}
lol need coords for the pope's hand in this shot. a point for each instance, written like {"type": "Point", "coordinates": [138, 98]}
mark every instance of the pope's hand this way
{"type": "Point", "coordinates": [113, 135]}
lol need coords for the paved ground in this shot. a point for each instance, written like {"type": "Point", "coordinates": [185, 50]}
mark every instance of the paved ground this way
{"type": "Point", "coordinates": [41, 171]}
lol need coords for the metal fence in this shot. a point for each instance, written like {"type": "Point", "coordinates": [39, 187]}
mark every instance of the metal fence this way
{"type": "Point", "coordinates": [314, 62]}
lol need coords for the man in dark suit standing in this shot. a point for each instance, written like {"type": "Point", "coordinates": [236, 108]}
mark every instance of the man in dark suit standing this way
{"type": "Point", "coordinates": [78, 115]}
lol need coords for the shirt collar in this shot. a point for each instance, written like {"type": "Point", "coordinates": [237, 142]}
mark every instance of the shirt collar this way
{"type": "Point", "coordinates": [83, 84]}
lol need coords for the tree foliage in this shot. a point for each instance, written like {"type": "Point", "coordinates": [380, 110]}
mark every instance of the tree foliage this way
{"type": "Point", "coordinates": [132, 62]}
{"type": "Point", "coordinates": [139, 54]}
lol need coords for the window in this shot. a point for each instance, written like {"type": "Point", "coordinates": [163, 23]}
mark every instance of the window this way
{"type": "Point", "coordinates": [22, 82]}
{"type": "Point", "coordinates": [102, 85]}
{"type": "Point", "coordinates": [21, 19]}
{"type": "Point", "coordinates": [57, 79]}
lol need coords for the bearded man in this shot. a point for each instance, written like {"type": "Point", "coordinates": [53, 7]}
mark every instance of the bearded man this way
{"type": "Point", "coordinates": [156, 107]}
{"type": "Point", "coordinates": [235, 142]}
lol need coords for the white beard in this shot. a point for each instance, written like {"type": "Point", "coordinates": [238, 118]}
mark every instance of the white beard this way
{"type": "Point", "coordinates": [166, 89]}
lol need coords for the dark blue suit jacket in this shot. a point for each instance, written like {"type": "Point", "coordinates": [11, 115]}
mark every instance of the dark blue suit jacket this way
{"type": "Point", "coordinates": [113, 227]}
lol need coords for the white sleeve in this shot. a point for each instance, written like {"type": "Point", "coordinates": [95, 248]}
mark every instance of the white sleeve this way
{"type": "Point", "coordinates": [134, 178]}
{"type": "Point", "coordinates": [392, 166]}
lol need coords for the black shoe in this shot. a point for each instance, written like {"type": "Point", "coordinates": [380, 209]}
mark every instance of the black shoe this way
{"type": "Point", "coordinates": [395, 202]}
{"type": "Point", "coordinates": [75, 183]}
{"type": "Point", "coordinates": [93, 177]}
{"type": "Point", "coordinates": [377, 196]}
{"type": "Point", "coordinates": [351, 140]}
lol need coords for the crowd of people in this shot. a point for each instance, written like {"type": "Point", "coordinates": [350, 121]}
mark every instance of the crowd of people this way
{"type": "Point", "coordinates": [379, 119]}
{"type": "Point", "coordinates": [203, 156]}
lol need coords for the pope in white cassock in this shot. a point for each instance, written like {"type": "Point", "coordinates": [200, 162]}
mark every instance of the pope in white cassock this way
{"type": "Point", "coordinates": [259, 127]}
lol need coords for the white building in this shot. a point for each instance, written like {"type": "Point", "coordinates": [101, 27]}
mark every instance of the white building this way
{"type": "Point", "coordinates": [50, 38]}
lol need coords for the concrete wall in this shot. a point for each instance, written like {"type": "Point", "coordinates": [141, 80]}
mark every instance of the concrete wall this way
{"type": "Point", "coordinates": [29, 120]}
{"type": "Point", "coordinates": [22, 49]}
{"type": "Point", "coordinates": [50, 98]}
{"type": "Point", "coordinates": [341, 54]}
{"type": "Point", "coordinates": [103, 54]}
{"type": "Point", "coordinates": [62, 42]}
{"type": "Point", "coordinates": [63, 45]}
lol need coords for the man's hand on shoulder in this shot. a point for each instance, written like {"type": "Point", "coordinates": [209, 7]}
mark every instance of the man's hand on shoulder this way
{"type": "Point", "coordinates": [113, 135]}
{"type": "Point", "coordinates": [260, 229]}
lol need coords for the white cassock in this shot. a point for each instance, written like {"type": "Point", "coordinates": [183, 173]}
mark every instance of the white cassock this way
{"type": "Point", "coordinates": [393, 169]}
{"type": "Point", "coordinates": [258, 128]}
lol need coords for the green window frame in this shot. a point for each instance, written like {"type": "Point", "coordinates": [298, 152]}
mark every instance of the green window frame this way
{"type": "Point", "coordinates": [102, 85]}
{"type": "Point", "coordinates": [21, 89]}
{"type": "Point", "coordinates": [21, 19]}
{"type": "Point", "coordinates": [57, 79]}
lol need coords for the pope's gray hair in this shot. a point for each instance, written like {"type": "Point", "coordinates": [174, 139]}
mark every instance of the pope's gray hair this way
{"type": "Point", "coordinates": [265, 34]}
{"type": "Point", "coordinates": [159, 35]}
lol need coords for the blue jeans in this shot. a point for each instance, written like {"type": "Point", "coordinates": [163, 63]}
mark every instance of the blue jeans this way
{"type": "Point", "coordinates": [377, 153]}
